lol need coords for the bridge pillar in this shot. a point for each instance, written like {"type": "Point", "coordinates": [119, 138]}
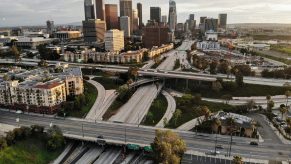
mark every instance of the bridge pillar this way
{"type": "Point", "coordinates": [187, 83]}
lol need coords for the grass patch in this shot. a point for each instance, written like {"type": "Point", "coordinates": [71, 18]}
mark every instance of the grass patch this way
{"type": "Point", "coordinates": [245, 91]}
{"type": "Point", "coordinates": [91, 94]}
{"type": "Point", "coordinates": [205, 89]}
{"type": "Point", "coordinates": [114, 107]}
{"type": "Point", "coordinates": [192, 110]}
{"type": "Point", "coordinates": [109, 83]}
{"type": "Point", "coordinates": [157, 111]}
{"type": "Point", "coordinates": [288, 62]}
{"type": "Point", "coordinates": [271, 37]}
{"type": "Point", "coordinates": [282, 48]}
{"type": "Point", "coordinates": [31, 150]}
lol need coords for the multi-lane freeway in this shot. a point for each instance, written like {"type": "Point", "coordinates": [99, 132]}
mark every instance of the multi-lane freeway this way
{"type": "Point", "coordinates": [164, 73]}
{"type": "Point", "coordinates": [127, 133]}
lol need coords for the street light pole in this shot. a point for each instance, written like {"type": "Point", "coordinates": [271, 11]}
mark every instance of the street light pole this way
{"type": "Point", "coordinates": [83, 129]}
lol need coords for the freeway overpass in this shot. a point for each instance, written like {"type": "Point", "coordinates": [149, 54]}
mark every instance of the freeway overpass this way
{"type": "Point", "coordinates": [166, 74]}
{"type": "Point", "coordinates": [126, 133]}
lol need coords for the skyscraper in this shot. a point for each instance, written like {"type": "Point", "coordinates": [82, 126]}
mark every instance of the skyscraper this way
{"type": "Point", "coordinates": [164, 19]}
{"type": "Point", "coordinates": [94, 30]}
{"type": "Point", "coordinates": [155, 35]}
{"type": "Point", "coordinates": [126, 10]}
{"type": "Point", "coordinates": [191, 17]}
{"type": "Point", "coordinates": [155, 14]}
{"type": "Point", "coordinates": [50, 27]}
{"type": "Point", "coordinates": [111, 16]}
{"type": "Point", "coordinates": [125, 25]}
{"type": "Point", "coordinates": [139, 10]}
{"type": "Point", "coordinates": [172, 15]}
{"type": "Point", "coordinates": [202, 20]}
{"type": "Point", "coordinates": [222, 20]}
{"type": "Point", "coordinates": [89, 9]}
{"type": "Point", "coordinates": [211, 24]}
{"type": "Point", "coordinates": [135, 23]}
{"type": "Point", "coordinates": [99, 8]}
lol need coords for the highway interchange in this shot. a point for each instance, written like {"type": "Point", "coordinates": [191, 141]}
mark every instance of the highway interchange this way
{"type": "Point", "coordinates": [137, 107]}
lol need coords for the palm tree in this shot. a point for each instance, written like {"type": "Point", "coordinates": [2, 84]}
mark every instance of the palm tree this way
{"type": "Point", "coordinates": [205, 112]}
{"type": "Point", "coordinates": [287, 94]}
{"type": "Point", "coordinates": [283, 110]}
{"type": "Point", "coordinates": [237, 160]}
{"type": "Point", "coordinates": [288, 121]}
{"type": "Point", "coordinates": [216, 123]}
{"type": "Point", "coordinates": [177, 115]}
{"type": "Point", "coordinates": [268, 98]}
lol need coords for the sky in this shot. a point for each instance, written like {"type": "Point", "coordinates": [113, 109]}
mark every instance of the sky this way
{"type": "Point", "coordinates": [36, 12]}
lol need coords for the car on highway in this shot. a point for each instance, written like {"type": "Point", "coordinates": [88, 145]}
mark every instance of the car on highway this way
{"type": "Point", "coordinates": [219, 146]}
{"type": "Point", "coordinates": [100, 137]}
{"type": "Point", "coordinates": [254, 143]}
{"type": "Point", "coordinates": [18, 112]}
{"type": "Point", "coordinates": [212, 152]}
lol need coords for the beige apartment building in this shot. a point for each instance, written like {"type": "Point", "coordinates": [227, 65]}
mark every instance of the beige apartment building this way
{"type": "Point", "coordinates": [40, 91]}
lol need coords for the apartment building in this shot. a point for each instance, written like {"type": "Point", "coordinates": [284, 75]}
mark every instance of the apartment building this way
{"type": "Point", "coordinates": [39, 90]}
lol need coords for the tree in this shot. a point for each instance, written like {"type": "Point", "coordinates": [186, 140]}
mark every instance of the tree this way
{"type": "Point", "coordinates": [10, 137]}
{"type": "Point", "coordinates": [55, 138]}
{"type": "Point", "coordinates": [227, 98]}
{"type": "Point", "coordinates": [283, 110]}
{"type": "Point", "coordinates": [270, 105]}
{"type": "Point", "coordinates": [15, 53]}
{"type": "Point", "coordinates": [239, 79]}
{"type": "Point", "coordinates": [168, 147]}
{"type": "Point", "coordinates": [288, 121]}
{"type": "Point", "coordinates": [213, 67]}
{"type": "Point", "coordinates": [251, 104]}
{"type": "Point", "coordinates": [205, 112]}
{"type": "Point", "coordinates": [3, 143]}
{"type": "Point", "coordinates": [177, 115]}
{"type": "Point", "coordinates": [237, 160]}
{"type": "Point", "coordinates": [216, 86]}
{"type": "Point", "coordinates": [287, 95]}
{"type": "Point", "coordinates": [6, 77]}
{"type": "Point", "coordinates": [145, 56]}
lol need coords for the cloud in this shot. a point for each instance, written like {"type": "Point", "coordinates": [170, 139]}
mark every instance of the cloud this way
{"type": "Point", "coordinates": [36, 12]}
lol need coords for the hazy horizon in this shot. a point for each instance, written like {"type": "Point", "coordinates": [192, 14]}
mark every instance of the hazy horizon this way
{"type": "Point", "coordinates": [36, 12]}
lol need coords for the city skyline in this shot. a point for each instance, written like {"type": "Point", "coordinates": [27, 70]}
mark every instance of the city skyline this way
{"type": "Point", "coordinates": [36, 12]}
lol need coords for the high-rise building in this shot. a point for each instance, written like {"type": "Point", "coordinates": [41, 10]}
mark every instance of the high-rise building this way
{"type": "Point", "coordinates": [191, 17]}
{"type": "Point", "coordinates": [99, 8]}
{"type": "Point", "coordinates": [114, 40]}
{"type": "Point", "coordinates": [222, 20]}
{"type": "Point", "coordinates": [211, 24]}
{"type": "Point", "coordinates": [50, 27]}
{"type": "Point", "coordinates": [126, 10]}
{"type": "Point", "coordinates": [180, 27]}
{"type": "Point", "coordinates": [155, 35]}
{"type": "Point", "coordinates": [125, 25]}
{"type": "Point", "coordinates": [139, 10]}
{"type": "Point", "coordinates": [202, 20]}
{"type": "Point", "coordinates": [89, 9]}
{"type": "Point", "coordinates": [172, 15]}
{"type": "Point", "coordinates": [94, 30]}
{"type": "Point", "coordinates": [135, 23]}
{"type": "Point", "coordinates": [111, 16]}
{"type": "Point", "coordinates": [164, 19]}
{"type": "Point", "coordinates": [155, 14]}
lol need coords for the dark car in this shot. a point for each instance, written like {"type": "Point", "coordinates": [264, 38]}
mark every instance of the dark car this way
{"type": "Point", "coordinates": [219, 147]}
{"type": "Point", "coordinates": [100, 137]}
{"type": "Point", "coordinates": [254, 143]}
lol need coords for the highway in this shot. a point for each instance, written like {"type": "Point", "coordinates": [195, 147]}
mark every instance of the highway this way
{"type": "Point", "coordinates": [139, 104]}
{"type": "Point", "coordinates": [126, 133]}
{"type": "Point", "coordinates": [165, 73]}
{"type": "Point", "coordinates": [170, 109]}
